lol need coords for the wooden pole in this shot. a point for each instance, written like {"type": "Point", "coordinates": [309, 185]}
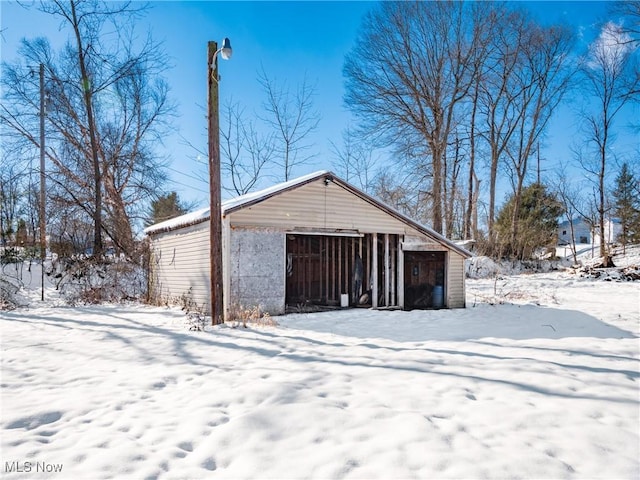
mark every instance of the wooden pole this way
{"type": "Point", "coordinates": [393, 249]}
{"type": "Point", "coordinates": [400, 273]}
{"type": "Point", "coordinates": [215, 227]}
{"type": "Point", "coordinates": [43, 237]}
{"type": "Point", "coordinates": [374, 272]}
{"type": "Point", "coordinates": [386, 270]}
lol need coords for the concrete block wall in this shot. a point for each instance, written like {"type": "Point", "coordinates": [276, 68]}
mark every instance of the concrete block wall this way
{"type": "Point", "coordinates": [257, 269]}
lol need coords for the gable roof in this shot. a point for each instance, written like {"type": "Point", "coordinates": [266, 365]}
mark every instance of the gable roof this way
{"type": "Point", "coordinates": [250, 199]}
{"type": "Point", "coordinates": [232, 204]}
{"type": "Point", "coordinates": [575, 221]}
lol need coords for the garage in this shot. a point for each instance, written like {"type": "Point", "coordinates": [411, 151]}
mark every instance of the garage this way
{"type": "Point", "coordinates": [311, 243]}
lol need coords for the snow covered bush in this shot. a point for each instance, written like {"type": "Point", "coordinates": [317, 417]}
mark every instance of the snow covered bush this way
{"type": "Point", "coordinates": [96, 280]}
{"type": "Point", "coordinates": [9, 294]}
{"type": "Point", "coordinates": [486, 267]}
{"type": "Point", "coordinates": [482, 267]}
{"type": "Point", "coordinates": [15, 273]}
{"type": "Point", "coordinates": [196, 322]}
{"type": "Point", "coordinates": [622, 274]}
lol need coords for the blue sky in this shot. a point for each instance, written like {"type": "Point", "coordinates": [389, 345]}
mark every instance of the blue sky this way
{"type": "Point", "coordinates": [289, 40]}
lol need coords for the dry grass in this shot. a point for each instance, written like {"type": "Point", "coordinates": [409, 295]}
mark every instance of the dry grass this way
{"type": "Point", "coordinates": [254, 315]}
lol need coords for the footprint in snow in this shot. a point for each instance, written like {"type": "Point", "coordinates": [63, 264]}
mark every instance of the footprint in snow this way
{"type": "Point", "coordinates": [35, 421]}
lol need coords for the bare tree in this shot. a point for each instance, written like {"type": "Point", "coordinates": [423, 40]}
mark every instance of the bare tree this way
{"type": "Point", "coordinates": [473, 183]}
{"type": "Point", "coordinates": [611, 82]}
{"type": "Point", "coordinates": [354, 159]}
{"type": "Point", "coordinates": [452, 192]}
{"type": "Point", "coordinates": [570, 197]}
{"type": "Point", "coordinates": [542, 79]}
{"type": "Point", "coordinates": [630, 29]}
{"type": "Point", "coordinates": [412, 66]}
{"type": "Point", "coordinates": [101, 129]}
{"type": "Point", "coordinates": [245, 152]}
{"type": "Point", "coordinates": [498, 94]}
{"type": "Point", "coordinates": [13, 186]}
{"type": "Point", "coordinates": [292, 117]}
{"type": "Point", "coordinates": [630, 11]}
{"type": "Point", "coordinates": [402, 193]}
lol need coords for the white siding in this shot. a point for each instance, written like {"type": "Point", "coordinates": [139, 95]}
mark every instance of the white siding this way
{"type": "Point", "coordinates": [455, 280]}
{"type": "Point", "coordinates": [454, 267]}
{"type": "Point", "coordinates": [581, 232]}
{"type": "Point", "coordinates": [319, 206]}
{"type": "Point", "coordinates": [180, 266]}
{"type": "Point", "coordinates": [612, 229]}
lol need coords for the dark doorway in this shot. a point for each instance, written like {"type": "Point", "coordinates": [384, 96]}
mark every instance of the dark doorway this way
{"type": "Point", "coordinates": [320, 269]}
{"type": "Point", "coordinates": [424, 279]}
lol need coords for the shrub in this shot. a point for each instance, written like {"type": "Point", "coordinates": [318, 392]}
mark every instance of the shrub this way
{"type": "Point", "coordinates": [10, 255]}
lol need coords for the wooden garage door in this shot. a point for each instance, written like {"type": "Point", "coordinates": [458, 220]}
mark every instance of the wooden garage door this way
{"type": "Point", "coordinates": [424, 279]}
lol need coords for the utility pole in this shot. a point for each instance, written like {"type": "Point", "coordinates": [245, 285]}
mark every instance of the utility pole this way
{"type": "Point", "coordinates": [43, 237]}
{"type": "Point", "coordinates": [215, 227]}
{"type": "Point", "coordinates": [215, 213]}
{"type": "Point", "coordinates": [538, 163]}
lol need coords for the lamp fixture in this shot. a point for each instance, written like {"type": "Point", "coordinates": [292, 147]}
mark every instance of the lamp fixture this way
{"type": "Point", "coordinates": [226, 50]}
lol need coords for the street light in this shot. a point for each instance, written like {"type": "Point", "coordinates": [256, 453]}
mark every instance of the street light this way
{"type": "Point", "coordinates": [215, 214]}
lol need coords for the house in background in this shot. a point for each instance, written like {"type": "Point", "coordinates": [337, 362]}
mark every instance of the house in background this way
{"type": "Point", "coordinates": [585, 234]}
{"type": "Point", "coordinates": [612, 229]}
{"type": "Point", "coordinates": [315, 241]}
{"type": "Point", "coordinates": [581, 232]}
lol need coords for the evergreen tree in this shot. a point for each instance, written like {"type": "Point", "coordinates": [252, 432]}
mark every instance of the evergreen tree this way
{"type": "Point", "coordinates": [627, 205]}
{"type": "Point", "coordinates": [164, 208]}
{"type": "Point", "coordinates": [537, 223]}
{"type": "Point", "coordinates": [22, 236]}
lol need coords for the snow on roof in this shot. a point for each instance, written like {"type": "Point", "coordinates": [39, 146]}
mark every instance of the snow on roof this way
{"type": "Point", "coordinates": [231, 204]}
{"type": "Point", "coordinates": [575, 221]}
{"type": "Point", "coordinates": [181, 221]}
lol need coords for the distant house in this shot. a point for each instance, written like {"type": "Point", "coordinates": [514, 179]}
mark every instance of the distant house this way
{"type": "Point", "coordinates": [612, 228]}
{"type": "Point", "coordinates": [313, 241]}
{"type": "Point", "coordinates": [581, 232]}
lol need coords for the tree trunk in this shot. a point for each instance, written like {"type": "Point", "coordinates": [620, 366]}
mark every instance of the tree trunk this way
{"type": "Point", "coordinates": [601, 206]}
{"type": "Point", "coordinates": [472, 159]}
{"type": "Point", "coordinates": [517, 200]}
{"type": "Point", "coordinates": [86, 86]}
{"type": "Point", "coordinates": [436, 188]}
{"type": "Point", "coordinates": [122, 233]}
{"type": "Point", "coordinates": [474, 214]}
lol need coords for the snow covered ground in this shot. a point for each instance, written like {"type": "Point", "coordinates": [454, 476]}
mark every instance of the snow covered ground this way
{"type": "Point", "coordinates": [537, 378]}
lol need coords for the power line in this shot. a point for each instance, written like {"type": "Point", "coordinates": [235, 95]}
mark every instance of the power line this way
{"type": "Point", "coordinates": [186, 175]}
{"type": "Point", "coordinates": [188, 186]}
